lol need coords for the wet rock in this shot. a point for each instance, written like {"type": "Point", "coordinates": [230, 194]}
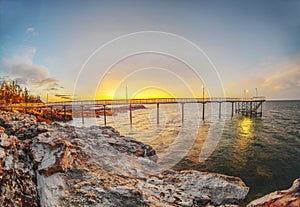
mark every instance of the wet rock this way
{"type": "Point", "coordinates": [289, 197]}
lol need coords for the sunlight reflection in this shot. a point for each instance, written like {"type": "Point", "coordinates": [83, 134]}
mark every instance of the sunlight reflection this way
{"type": "Point", "coordinates": [246, 127]}
{"type": "Point", "coordinates": [244, 142]}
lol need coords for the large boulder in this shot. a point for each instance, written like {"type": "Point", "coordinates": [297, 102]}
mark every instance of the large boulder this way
{"type": "Point", "coordinates": [105, 175]}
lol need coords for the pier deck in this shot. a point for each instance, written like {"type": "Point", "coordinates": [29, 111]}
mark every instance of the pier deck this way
{"type": "Point", "coordinates": [245, 106]}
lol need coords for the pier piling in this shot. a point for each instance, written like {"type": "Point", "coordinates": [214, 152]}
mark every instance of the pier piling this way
{"type": "Point", "coordinates": [157, 113]}
{"type": "Point", "coordinates": [65, 115]}
{"type": "Point", "coordinates": [182, 112]}
{"type": "Point", "coordinates": [130, 114]}
{"type": "Point", "coordinates": [203, 110]}
{"type": "Point", "coordinates": [51, 112]}
{"type": "Point", "coordinates": [82, 115]}
{"type": "Point", "coordinates": [250, 109]}
{"type": "Point", "coordinates": [220, 108]}
{"type": "Point", "coordinates": [104, 113]}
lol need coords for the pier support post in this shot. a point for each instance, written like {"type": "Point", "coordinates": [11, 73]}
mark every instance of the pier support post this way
{"type": "Point", "coordinates": [65, 115]}
{"type": "Point", "coordinates": [182, 112]}
{"type": "Point", "coordinates": [235, 106]}
{"type": "Point", "coordinates": [220, 108]}
{"type": "Point", "coordinates": [51, 113]}
{"type": "Point", "coordinates": [261, 109]}
{"type": "Point", "coordinates": [157, 113]}
{"type": "Point", "coordinates": [130, 114]}
{"type": "Point", "coordinates": [232, 108]}
{"type": "Point", "coordinates": [104, 110]}
{"type": "Point", "coordinates": [250, 109]}
{"type": "Point", "coordinates": [203, 110]}
{"type": "Point", "coordinates": [82, 115]}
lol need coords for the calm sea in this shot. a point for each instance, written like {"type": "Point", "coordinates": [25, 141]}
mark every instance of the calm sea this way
{"type": "Point", "coordinates": [263, 151]}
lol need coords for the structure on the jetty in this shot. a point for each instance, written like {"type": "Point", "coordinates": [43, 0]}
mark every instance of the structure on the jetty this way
{"type": "Point", "coordinates": [245, 106]}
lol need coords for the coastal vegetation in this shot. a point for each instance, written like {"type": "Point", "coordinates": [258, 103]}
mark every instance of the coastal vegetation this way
{"type": "Point", "coordinates": [12, 92]}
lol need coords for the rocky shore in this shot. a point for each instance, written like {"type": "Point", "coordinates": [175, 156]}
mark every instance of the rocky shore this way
{"type": "Point", "coordinates": [54, 165]}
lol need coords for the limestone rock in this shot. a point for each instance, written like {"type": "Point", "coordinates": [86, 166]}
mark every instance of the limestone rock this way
{"type": "Point", "coordinates": [289, 197]}
{"type": "Point", "coordinates": [187, 188]}
{"type": "Point", "coordinates": [50, 189]}
{"type": "Point", "coordinates": [60, 165]}
{"type": "Point", "coordinates": [17, 180]}
{"type": "Point", "coordinates": [53, 156]}
{"type": "Point", "coordinates": [23, 126]}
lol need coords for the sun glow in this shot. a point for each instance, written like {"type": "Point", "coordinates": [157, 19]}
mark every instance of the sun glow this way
{"type": "Point", "coordinates": [151, 93]}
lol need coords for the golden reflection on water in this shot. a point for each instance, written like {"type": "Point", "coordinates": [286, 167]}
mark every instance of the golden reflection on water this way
{"type": "Point", "coordinates": [245, 138]}
{"type": "Point", "coordinates": [246, 127]}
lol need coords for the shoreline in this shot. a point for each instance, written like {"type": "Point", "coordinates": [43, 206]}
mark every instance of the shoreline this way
{"type": "Point", "coordinates": [44, 114]}
{"type": "Point", "coordinates": [101, 162]}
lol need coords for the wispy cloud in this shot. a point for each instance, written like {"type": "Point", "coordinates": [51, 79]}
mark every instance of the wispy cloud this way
{"type": "Point", "coordinates": [31, 31]}
{"type": "Point", "coordinates": [276, 78]}
{"type": "Point", "coordinates": [64, 96]}
{"type": "Point", "coordinates": [28, 73]}
{"type": "Point", "coordinates": [288, 78]}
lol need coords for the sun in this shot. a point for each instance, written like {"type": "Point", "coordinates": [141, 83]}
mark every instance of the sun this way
{"type": "Point", "coordinates": [152, 92]}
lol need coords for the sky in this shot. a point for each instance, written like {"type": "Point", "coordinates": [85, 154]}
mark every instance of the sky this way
{"type": "Point", "coordinates": [97, 49]}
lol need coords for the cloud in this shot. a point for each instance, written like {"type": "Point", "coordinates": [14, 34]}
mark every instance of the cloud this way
{"type": "Point", "coordinates": [22, 69]}
{"type": "Point", "coordinates": [285, 79]}
{"type": "Point", "coordinates": [51, 83]}
{"type": "Point", "coordinates": [275, 78]}
{"type": "Point", "coordinates": [32, 31]}
{"type": "Point", "coordinates": [64, 96]}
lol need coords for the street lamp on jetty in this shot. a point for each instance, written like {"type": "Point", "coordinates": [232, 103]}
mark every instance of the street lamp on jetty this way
{"type": "Point", "coordinates": [203, 106]}
{"type": "Point", "coordinates": [245, 93]}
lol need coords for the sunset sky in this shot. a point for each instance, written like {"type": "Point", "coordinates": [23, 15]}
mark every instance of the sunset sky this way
{"type": "Point", "coordinates": [95, 49]}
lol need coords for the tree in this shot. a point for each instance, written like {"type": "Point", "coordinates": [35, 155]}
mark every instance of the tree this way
{"type": "Point", "coordinates": [12, 92]}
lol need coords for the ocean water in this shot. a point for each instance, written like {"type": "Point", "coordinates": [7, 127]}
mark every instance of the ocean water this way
{"type": "Point", "coordinates": [263, 151]}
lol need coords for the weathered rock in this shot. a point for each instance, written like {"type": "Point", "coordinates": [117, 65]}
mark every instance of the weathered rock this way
{"type": "Point", "coordinates": [17, 176]}
{"type": "Point", "coordinates": [20, 125]}
{"type": "Point", "coordinates": [50, 189]}
{"type": "Point", "coordinates": [188, 188]}
{"type": "Point", "coordinates": [57, 156]}
{"type": "Point", "coordinates": [104, 175]}
{"type": "Point", "coordinates": [68, 166]}
{"type": "Point", "coordinates": [289, 197]}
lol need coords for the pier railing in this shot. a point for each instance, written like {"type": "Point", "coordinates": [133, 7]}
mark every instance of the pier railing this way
{"type": "Point", "coordinates": [137, 101]}
{"type": "Point", "coordinates": [245, 106]}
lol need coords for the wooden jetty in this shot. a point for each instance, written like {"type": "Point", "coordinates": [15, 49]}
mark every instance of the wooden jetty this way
{"type": "Point", "coordinates": [245, 106]}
